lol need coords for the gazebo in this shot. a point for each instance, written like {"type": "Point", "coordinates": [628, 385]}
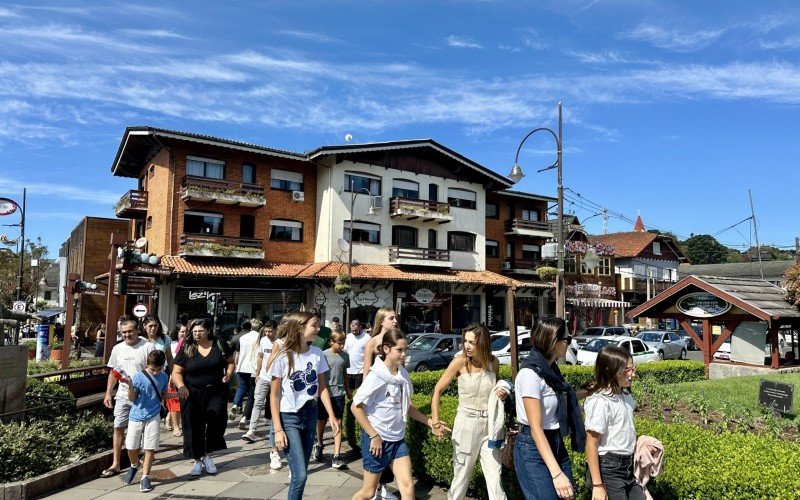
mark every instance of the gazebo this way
{"type": "Point", "coordinates": [723, 302]}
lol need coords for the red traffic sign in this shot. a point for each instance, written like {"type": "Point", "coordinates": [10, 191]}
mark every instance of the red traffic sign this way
{"type": "Point", "coordinates": [140, 310]}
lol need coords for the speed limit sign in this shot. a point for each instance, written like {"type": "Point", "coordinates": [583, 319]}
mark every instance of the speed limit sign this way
{"type": "Point", "coordinates": [18, 306]}
{"type": "Point", "coordinates": [140, 310]}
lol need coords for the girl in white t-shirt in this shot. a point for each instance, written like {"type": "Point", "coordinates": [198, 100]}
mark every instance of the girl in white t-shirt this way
{"type": "Point", "coordinates": [297, 381]}
{"type": "Point", "coordinates": [381, 406]}
{"type": "Point", "coordinates": [610, 433]}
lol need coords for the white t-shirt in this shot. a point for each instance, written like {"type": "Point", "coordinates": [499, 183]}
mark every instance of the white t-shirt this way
{"type": "Point", "coordinates": [301, 385]}
{"type": "Point", "coordinates": [355, 346]}
{"type": "Point", "coordinates": [382, 405]}
{"type": "Point", "coordinates": [247, 352]}
{"type": "Point", "coordinates": [265, 348]}
{"type": "Point", "coordinates": [611, 416]}
{"type": "Point", "coordinates": [131, 359]}
{"type": "Point", "coordinates": [530, 385]}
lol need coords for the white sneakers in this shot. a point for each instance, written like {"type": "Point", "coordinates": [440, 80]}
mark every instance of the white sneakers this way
{"type": "Point", "coordinates": [209, 465]}
{"type": "Point", "coordinates": [249, 437]}
{"type": "Point", "coordinates": [383, 493]}
{"type": "Point", "coordinates": [197, 469]}
{"type": "Point", "coordinates": [274, 460]}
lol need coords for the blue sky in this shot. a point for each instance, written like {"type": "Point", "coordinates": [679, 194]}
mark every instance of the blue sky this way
{"type": "Point", "coordinates": [671, 109]}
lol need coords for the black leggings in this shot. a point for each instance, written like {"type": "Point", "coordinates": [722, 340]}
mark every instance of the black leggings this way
{"type": "Point", "coordinates": [204, 418]}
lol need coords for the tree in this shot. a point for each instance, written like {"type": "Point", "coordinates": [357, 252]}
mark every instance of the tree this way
{"type": "Point", "coordinates": [705, 249]}
{"type": "Point", "coordinates": [792, 276]}
{"type": "Point", "coordinates": [9, 269]}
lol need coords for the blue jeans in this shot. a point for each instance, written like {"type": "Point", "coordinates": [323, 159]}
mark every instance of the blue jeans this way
{"type": "Point", "coordinates": [301, 431]}
{"type": "Point", "coordinates": [244, 387]}
{"type": "Point", "coordinates": [533, 475]}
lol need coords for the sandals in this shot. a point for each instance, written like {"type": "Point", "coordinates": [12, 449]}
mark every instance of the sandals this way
{"type": "Point", "coordinates": [109, 472]}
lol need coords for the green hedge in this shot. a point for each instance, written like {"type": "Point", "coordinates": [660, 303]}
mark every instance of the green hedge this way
{"type": "Point", "coordinates": [36, 387]}
{"type": "Point", "coordinates": [47, 366]}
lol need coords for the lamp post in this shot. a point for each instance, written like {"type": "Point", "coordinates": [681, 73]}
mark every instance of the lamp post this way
{"type": "Point", "coordinates": [8, 207]}
{"type": "Point", "coordinates": [353, 194]}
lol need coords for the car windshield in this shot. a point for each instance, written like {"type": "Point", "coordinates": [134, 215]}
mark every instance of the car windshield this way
{"type": "Point", "coordinates": [500, 342]}
{"type": "Point", "coordinates": [424, 343]}
{"type": "Point", "coordinates": [592, 332]}
{"type": "Point", "coordinates": [597, 344]}
{"type": "Point", "coordinates": [651, 336]}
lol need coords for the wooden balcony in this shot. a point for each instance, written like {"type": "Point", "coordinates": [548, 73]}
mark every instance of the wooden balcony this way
{"type": "Point", "coordinates": [520, 227]}
{"type": "Point", "coordinates": [640, 285]}
{"type": "Point", "coordinates": [427, 211]}
{"type": "Point", "coordinates": [132, 205]}
{"type": "Point", "coordinates": [222, 191]}
{"type": "Point", "coordinates": [430, 257]}
{"type": "Point", "coordinates": [522, 266]}
{"type": "Point", "coordinates": [212, 245]}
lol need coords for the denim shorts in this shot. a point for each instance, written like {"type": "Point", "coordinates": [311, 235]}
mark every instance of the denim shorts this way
{"type": "Point", "coordinates": [391, 451]}
{"type": "Point", "coordinates": [338, 408]}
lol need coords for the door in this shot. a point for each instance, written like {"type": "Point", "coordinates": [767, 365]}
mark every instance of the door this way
{"type": "Point", "coordinates": [443, 353]}
{"type": "Point", "coordinates": [433, 192]}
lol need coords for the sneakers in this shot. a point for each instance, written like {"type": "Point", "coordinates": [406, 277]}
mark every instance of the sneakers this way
{"type": "Point", "coordinates": [316, 452]}
{"type": "Point", "coordinates": [197, 469]}
{"type": "Point", "coordinates": [209, 465]}
{"type": "Point", "coordinates": [337, 463]}
{"type": "Point", "coordinates": [235, 410]}
{"type": "Point", "coordinates": [168, 423]}
{"type": "Point", "coordinates": [249, 437]}
{"type": "Point", "coordinates": [384, 493]}
{"type": "Point", "coordinates": [244, 424]}
{"type": "Point", "coordinates": [130, 474]}
{"type": "Point", "coordinates": [274, 460]}
{"type": "Point", "coordinates": [145, 485]}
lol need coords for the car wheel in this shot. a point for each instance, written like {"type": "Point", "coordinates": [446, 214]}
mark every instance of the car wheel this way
{"type": "Point", "coordinates": [683, 353]}
{"type": "Point", "coordinates": [422, 367]}
{"type": "Point", "coordinates": [661, 355]}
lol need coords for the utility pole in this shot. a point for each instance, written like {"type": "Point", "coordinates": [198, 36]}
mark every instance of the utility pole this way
{"type": "Point", "coordinates": [605, 220]}
{"type": "Point", "coordinates": [21, 245]}
{"type": "Point", "coordinates": [755, 229]}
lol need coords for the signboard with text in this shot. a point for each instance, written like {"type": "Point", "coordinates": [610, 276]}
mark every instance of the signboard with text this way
{"type": "Point", "coordinates": [776, 396]}
{"type": "Point", "coordinates": [127, 284]}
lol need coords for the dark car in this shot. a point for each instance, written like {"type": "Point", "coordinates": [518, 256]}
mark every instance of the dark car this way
{"type": "Point", "coordinates": [433, 351]}
{"type": "Point", "coordinates": [594, 332]}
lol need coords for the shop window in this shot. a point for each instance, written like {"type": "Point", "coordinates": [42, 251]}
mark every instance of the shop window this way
{"type": "Point", "coordinates": [248, 173]}
{"type": "Point", "coordinates": [492, 248]}
{"type": "Point", "coordinates": [466, 310]}
{"type": "Point", "coordinates": [204, 167]}
{"type": "Point", "coordinates": [462, 198]}
{"type": "Point", "coordinates": [285, 180]}
{"type": "Point", "coordinates": [285, 230]}
{"type": "Point", "coordinates": [405, 189]}
{"type": "Point", "coordinates": [404, 236]}
{"type": "Point", "coordinates": [202, 223]}
{"type": "Point", "coordinates": [464, 242]}
{"type": "Point", "coordinates": [492, 211]}
{"type": "Point", "coordinates": [357, 182]}
{"type": "Point", "coordinates": [247, 226]}
{"type": "Point", "coordinates": [364, 232]}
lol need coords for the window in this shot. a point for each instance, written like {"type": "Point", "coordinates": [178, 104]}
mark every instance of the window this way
{"type": "Point", "coordinates": [203, 167]}
{"type": "Point", "coordinates": [285, 230]}
{"type": "Point", "coordinates": [248, 173]}
{"type": "Point", "coordinates": [530, 214]}
{"type": "Point", "coordinates": [364, 232]}
{"type": "Point", "coordinates": [464, 242]}
{"type": "Point", "coordinates": [639, 271]}
{"type": "Point", "coordinates": [48, 295]}
{"type": "Point", "coordinates": [149, 221]}
{"type": "Point", "coordinates": [638, 347]}
{"type": "Point", "coordinates": [569, 264]}
{"type": "Point", "coordinates": [285, 180]}
{"type": "Point", "coordinates": [585, 269]}
{"type": "Point", "coordinates": [357, 182]}
{"type": "Point", "coordinates": [604, 266]}
{"type": "Point", "coordinates": [432, 237]}
{"type": "Point", "coordinates": [202, 223]}
{"type": "Point", "coordinates": [531, 252]}
{"type": "Point", "coordinates": [461, 198]}
{"type": "Point", "coordinates": [657, 248]}
{"type": "Point", "coordinates": [405, 189]}
{"type": "Point", "coordinates": [433, 192]}
{"type": "Point", "coordinates": [492, 211]}
{"type": "Point", "coordinates": [492, 248]}
{"type": "Point", "coordinates": [404, 236]}
{"type": "Point", "coordinates": [247, 226]}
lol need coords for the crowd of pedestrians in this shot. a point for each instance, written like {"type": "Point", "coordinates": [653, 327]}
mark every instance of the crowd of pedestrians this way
{"type": "Point", "coordinates": [302, 385]}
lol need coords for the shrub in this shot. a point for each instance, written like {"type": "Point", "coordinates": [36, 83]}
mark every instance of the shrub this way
{"type": "Point", "coordinates": [42, 393]}
{"type": "Point", "coordinates": [47, 366]}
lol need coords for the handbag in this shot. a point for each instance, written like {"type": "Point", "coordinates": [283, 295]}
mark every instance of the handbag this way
{"type": "Point", "coordinates": [508, 448]}
{"type": "Point", "coordinates": [163, 412]}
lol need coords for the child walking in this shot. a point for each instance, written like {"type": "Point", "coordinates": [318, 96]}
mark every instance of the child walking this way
{"type": "Point", "coordinates": [146, 390]}
{"type": "Point", "coordinates": [381, 406]}
{"type": "Point", "coordinates": [611, 435]}
{"type": "Point", "coordinates": [298, 379]}
{"type": "Point", "coordinates": [338, 362]}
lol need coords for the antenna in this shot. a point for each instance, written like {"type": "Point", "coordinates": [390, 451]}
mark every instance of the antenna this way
{"type": "Point", "coordinates": [755, 229]}
{"type": "Point", "coordinates": [605, 220]}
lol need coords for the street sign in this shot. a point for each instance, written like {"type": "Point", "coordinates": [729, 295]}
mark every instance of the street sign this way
{"type": "Point", "coordinates": [127, 284]}
{"type": "Point", "coordinates": [140, 310]}
{"type": "Point", "coordinates": [18, 306]}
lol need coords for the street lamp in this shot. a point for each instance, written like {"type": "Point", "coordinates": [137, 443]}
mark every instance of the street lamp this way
{"type": "Point", "coordinates": [353, 194]}
{"type": "Point", "coordinates": [8, 207]}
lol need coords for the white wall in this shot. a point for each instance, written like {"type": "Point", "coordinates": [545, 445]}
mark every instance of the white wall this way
{"type": "Point", "coordinates": [641, 268]}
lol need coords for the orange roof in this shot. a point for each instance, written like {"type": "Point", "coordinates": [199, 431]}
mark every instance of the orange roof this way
{"type": "Point", "coordinates": [628, 244]}
{"type": "Point", "coordinates": [639, 226]}
{"type": "Point", "coordinates": [232, 268]}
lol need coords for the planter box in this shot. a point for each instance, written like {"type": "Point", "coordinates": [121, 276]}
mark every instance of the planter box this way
{"type": "Point", "coordinates": [211, 253]}
{"type": "Point", "coordinates": [224, 198]}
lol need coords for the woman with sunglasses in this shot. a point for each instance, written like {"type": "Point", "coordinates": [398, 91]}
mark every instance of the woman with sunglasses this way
{"type": "Point", "coordinates": [547, 408]}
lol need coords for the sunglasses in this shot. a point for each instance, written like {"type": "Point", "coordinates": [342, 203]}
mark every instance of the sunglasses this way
{"type": "Point", "coordinates": [630, 369]}
{"type": "Point", "coordinates": [567, 339]}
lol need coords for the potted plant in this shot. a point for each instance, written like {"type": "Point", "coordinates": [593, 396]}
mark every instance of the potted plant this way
{"type": "Point", "coordinates": [55, 350]}
{"type": "Point", "coordinates": [31, 345]}
{"type": "Point", "coordinates": [547, 273]}
{"type": "Point", "coordinates": [342, 284]}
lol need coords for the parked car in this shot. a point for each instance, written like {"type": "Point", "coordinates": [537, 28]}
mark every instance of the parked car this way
{"type": "Point", "coordinates": [687, 339]}
{"type": "Point", "coordinates": [724, 351]}
{"type": "Point", "coordinates": [411, 337]}
{"type": "Point", "coordinates": [640, 352]}
{"type": "Point", "coordinates": [593, 332]}
{"type": "Point", "coordinates": [785, 343]}
{"type": "Point", "coordinates": [669, 345]}
{"type": "Point", "coordinates": [432, 351]}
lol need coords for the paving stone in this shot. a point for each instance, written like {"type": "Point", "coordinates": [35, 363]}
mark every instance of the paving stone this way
{"type": "Point", "coordinates": [82, 493]}
{"type": "Point", "coordinates": [203, 487]}
{"type": "Point", "coordinates": [253, 490]}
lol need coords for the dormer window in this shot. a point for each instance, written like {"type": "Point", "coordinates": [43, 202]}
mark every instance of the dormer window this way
{"type": "Point", "coordinates": [656, 248]}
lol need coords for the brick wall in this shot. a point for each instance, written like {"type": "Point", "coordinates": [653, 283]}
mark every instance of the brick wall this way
{"type": "Point", "coordinates": [510, 208]}
{"type": "Point", "coordinates": [158, 183]}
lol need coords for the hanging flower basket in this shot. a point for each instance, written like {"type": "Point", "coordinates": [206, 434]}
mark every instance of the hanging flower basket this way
{"type": "Point", "coordinates": [342, 288]}
{"type": "Point", "coordinates": [547, 273]}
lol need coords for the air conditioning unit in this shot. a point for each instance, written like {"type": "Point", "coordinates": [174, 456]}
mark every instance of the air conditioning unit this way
{"type": "Point", "coordinates": [505, 266]}
{"type": "Point", "coordinates": [377, 202]}
{"type": "Point", "coordinates": [298, 196]}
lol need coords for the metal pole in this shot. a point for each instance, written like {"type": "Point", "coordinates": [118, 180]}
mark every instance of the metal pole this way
{"type": "Point", "coordinates": [112, 303]}
{"type": "Point", "coordinates": [350, 255]}
{"type": "Point", "coordinates": [560, 296]}
{"type": "Point", "coordinates": [512, 328]}
{"type": "Point", "coordinates": [755, 230]}
{"type": "Point", "coordinates": [21, 245]}
{"type": "Point", "coordinates": [69, 294]}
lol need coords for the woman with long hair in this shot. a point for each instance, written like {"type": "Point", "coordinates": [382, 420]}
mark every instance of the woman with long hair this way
{"type": "Point", "coordinates": [203, 368]}
{"type": "Point", "coordinates": [177, 335]}
{"type": "Point", "coordinates": [547, 408]}
{"type": "Point", "coordinates": [298, 379]}
{"type": "Point", "coordinates": [154, 330]}
{"type": "Point", "coordinates": [476, 372]}
{"type": "Point", "coordinates": [611, 434]}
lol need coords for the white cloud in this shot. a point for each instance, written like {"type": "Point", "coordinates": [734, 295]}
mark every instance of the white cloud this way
{"type": "Point", "coordinates": [673, 39]}
{"type": "Point", "coordinates": [4, 12]}
{"type": "Point", "coordinates": [62, 191]}
{"type": "Point", "coordinates": [155, 33]}
{"type": "Point", "coordinates": [788, 43]}
{"type": "Point", "coordinates": [462, 42]}
{"type": "Point", "coordinates": [606, 57]}
{"type": "Point", "coordinates": [307, 35]}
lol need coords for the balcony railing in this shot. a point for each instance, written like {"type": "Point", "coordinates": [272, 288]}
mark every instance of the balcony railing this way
{"type": "Point", "coordinates": [132, 205]}
{"type": "Point", "coordinates": [212, 245]}
{"type": "Point", "coordinates": [411, 209]}
{"type": "Point", "coordinates": [522, 266]}
{"type": "Point", "coordinates": [419, 257]}
{"type": "Point", "coordinates": [529, 228]}
{"type": "Point", "coordinates": [222, 191]}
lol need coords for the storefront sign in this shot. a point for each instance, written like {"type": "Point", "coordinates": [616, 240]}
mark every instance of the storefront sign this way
{"type": "Point", "coordinates": [147, 269]}
{"type": "Point", "coordinates": [136, 285]}
{"type": "Point", "coordinates": [776, 396]}
{"type": "Point", "coordinates": [199, 295]}
{"type": "Point", "coordinates": [702, 305]}
{"type": "Point", "coordinates": [424, 295]}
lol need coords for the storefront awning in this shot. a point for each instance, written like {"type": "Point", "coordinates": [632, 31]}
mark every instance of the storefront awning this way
{"type": "Point", "coordinates": [597, 302]}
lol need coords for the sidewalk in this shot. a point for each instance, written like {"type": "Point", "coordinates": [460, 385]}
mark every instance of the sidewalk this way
{"type": "Point", "coordinates": [244, 473]}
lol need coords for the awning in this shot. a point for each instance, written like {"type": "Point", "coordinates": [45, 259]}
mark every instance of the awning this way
{"type": "Point", "coordinates": [49, 313]}
{"type": "Point", "coordinates": [596, 302]}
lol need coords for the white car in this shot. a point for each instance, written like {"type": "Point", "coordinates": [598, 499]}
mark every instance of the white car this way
{"type": "Point", "coordinates": [724, 351]}
{"type": "Point", "coordinates": [501, 347]}
{"type": "Point", "coordinates": [587, 355]}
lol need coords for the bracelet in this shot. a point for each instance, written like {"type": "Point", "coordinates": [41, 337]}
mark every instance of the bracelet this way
{"type": "Point", "coordinates": [279, 430]}
{"type": "Point", "coordinates": [556, 476]}
{"type": "Point", "coordinates": [373, 437]}
{"type": "Point", "coordinates": [601, 485]}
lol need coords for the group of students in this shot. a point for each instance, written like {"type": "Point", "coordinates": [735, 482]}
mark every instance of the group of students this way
{"type": "Point", "coordinates": [303, 387]}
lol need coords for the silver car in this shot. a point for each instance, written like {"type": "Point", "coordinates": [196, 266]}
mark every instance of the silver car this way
{"type": "Point", "coordinates": [668, 344]}
{"type": "Point", "coordinates": [432, 351]}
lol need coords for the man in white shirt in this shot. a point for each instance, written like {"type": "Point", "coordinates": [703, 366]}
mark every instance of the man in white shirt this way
{"type": "Point", "coordinates": [355, 344]}
{"type": "Point", "coordinates": [246, 353]}
{"type": "Point", "coordinates": [127, 358]}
